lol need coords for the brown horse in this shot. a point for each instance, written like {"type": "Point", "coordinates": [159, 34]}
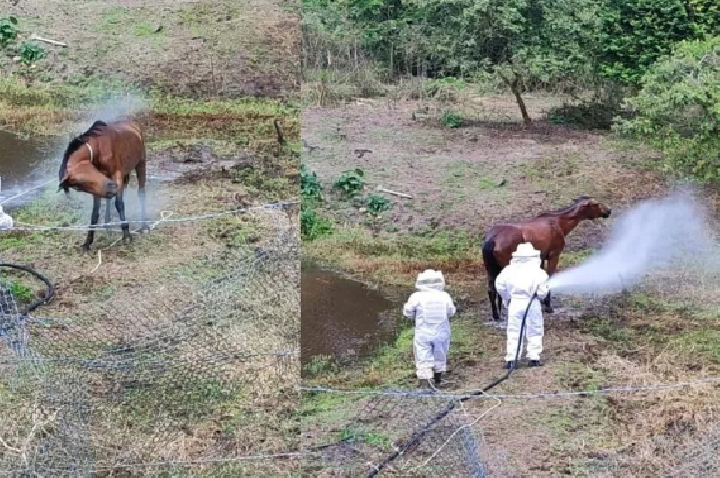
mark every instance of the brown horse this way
{"type": "Point", "coordinates": [99, 162]}
{"type": "Point", "coordinates": [547, 234]}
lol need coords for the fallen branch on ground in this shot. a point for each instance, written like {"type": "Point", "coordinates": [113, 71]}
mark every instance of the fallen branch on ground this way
{"type": "Point", "coordinates": [394, 193]}
{"type": "Point", "coordinates": [47, 40]}
{"type": "Point", "coordinates": [280, 137]}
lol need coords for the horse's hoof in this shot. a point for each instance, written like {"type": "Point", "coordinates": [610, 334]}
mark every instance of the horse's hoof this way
{"type": "Point", "coordinates": [127, 239]}
{"type": "Point", "coordinates": [145, 229]}
{"type": "Point", "coordinates": [548, 310]}
{"type": "Point", "coordinates": [85, 248]}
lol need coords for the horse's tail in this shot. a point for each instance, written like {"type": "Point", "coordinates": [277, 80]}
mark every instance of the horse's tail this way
{"type": "Point", "coordinates": [492, 266]}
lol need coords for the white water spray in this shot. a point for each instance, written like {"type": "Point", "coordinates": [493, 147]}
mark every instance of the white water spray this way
{"type": "Point", "coordinates": [117, 107]}
{"type": "Point", "coordinates": [648, 237]}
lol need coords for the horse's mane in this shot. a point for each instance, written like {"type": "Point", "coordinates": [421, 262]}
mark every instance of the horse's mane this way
{"type": "Point", "coordinates": [566, 209]}
{"type": "Point", "coordinates": [77, 142]}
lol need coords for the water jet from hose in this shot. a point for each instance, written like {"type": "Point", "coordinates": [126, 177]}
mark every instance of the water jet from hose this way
{"type": "Point", "coordinates": [650, 236]}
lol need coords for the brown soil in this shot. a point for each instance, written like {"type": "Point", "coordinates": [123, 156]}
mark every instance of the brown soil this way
{"type": "Point", "coordinates": [184, 47]}
{"type": "Point", "coordinates": [453, 174]}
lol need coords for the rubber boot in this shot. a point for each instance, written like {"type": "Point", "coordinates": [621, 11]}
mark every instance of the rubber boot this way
{"type": "Point", "coordinates": [509, 364]}
{"type": "Point", "coordinates": [424, 384]}
{"type": "Point", "coordinates": [438, 378]}
{"type": "Point", "coordinates": [534, 363]}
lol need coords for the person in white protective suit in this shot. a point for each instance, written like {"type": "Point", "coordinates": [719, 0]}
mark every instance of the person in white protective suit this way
{"type": "Point", "coordinates": [6, 222]}
{"type": "Point", "coordinates": [516, 284]}
{"type": "Point", "coordinates": [431, 307]}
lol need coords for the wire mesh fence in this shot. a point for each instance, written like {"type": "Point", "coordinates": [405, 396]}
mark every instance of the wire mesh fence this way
{"type": "Point", "coordinates": [356, 434]}
{"type": "Point", "coordinates": [410, 433]}
{"type": "Point", "coordinates": [180, 359]}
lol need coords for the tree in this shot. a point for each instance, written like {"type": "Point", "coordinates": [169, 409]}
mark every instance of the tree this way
{"type": "Point", "coordinates": [635, 33]}
{"type": "Point", "coordinates": [678, 109]}
{"type": "Point", "coordinates": [516, 39]}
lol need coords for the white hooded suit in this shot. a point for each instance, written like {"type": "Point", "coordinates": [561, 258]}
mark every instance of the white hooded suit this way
{"type": "Point", "coordinates": [431, 307]}
{"type": "Point", "coordinates": [516, 284]}
{"type": "Point", "coordinates": [6, 222]}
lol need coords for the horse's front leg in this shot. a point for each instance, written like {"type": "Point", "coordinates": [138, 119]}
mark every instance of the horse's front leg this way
{"type": "Point", "coordinates": [120, 206]}
{"type": "Point", "coordinates": [552, 263]}
{"type": "Point", "coordinates": [141, 173]}
{"type": "Point", "coordinates": [94, 218]}
{"type": "Point", "coordinates": [499, 304]}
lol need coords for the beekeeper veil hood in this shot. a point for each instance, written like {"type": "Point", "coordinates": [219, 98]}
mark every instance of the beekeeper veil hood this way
{"type": "Point", "coordinates": [430, 279]}
{"type": "Point", "coordinates": [526, 254]}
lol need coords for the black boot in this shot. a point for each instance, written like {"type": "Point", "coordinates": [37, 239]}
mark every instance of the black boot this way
{"type": "Point", "coordinates": [424, 384]}
{"type": "Point", "coordinates": [509, 364]}
{"type": "Point", "coordinates": [438, 378]}
{"type": "Point", "coordinates": [534, 363]}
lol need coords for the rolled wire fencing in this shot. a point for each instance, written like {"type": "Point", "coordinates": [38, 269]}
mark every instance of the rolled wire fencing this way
{"type": "Point", "coordinates": [183, 362]}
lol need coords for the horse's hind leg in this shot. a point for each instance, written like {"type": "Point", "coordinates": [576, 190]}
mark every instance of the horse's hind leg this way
{"type": "Point", "coordinates": [108, 212]}
{"type": "Point", "coordinates": [94, 218]}
{"type": "Point", "coordinates": [120, 206]}
{"type": "Point", "coordinates": [493, 296]}
{"type": "Point", "coordinates": [140, 171]}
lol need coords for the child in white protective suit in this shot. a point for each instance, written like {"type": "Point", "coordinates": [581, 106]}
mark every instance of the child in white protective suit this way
{"type": "Point", "coordinates": [516, 284]}
{"type": "Point", "coordinates": [6, 221]}
{"type": "Point", "coordinates": [431, 307]}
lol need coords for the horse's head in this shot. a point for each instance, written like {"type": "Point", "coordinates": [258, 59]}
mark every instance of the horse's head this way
{"type": "Point", "coordinates": [86, 178]}
{"type": "Point", "coordinates": [592, 209]}
{"type": "Point", "coordinates": [78, 172]}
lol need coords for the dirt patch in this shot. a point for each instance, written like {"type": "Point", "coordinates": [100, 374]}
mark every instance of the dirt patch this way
{"type": "Point", "coordinates": [188, 47]}
{"type": "Point", "coordinates": [188, 163]}
{"type": "Point", "coordinates": [471, 177]}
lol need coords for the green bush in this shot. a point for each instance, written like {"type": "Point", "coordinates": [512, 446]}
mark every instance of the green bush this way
{"type": "Point", "coordinates": [635, 33]}
{"type": "Point", "coordinates": [452, 119]}
{"type": "Point", "coordinates": [30, 53]}
{"type": "Point", "coordinates": [678, 110]}
{"type": "Point", "coordinates": [377, 204]}
{"type": "Point", "coordinates": [350, 182]}
{"type": "Point", "coordinates": [8, 31]}
{"type": "Point", "coordinates": [310, 187]}
{"type": "Point", "coordinates": [596, 113]}
{"type": "Point", "coordinates": [312, 225]}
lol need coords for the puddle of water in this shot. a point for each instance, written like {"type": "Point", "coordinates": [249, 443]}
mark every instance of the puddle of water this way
{"type": "Point", "coordinates": [341, 317]}
{"type": "Point", "coordinates": [25, 164]}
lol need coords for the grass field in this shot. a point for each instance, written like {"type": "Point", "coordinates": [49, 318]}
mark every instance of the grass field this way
{"type": "Point", "coordinates": [464, 179]}
{"type": "Point", "coordinates": [168, 340]}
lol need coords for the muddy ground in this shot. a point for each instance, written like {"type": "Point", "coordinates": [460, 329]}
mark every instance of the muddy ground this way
{"type": "Point", "coordinates": [462, 181]}
{"type": "Point", "coordinates": [183, 47]}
